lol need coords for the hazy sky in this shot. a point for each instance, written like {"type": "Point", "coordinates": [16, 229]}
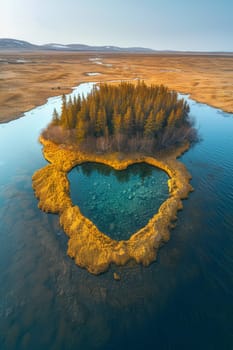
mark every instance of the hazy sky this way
{"type": "Point", "coordinates": [158, 24]}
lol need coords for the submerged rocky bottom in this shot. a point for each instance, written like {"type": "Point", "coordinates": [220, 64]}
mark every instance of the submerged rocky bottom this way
{"type": "Point", "coordinates": [118, 202]}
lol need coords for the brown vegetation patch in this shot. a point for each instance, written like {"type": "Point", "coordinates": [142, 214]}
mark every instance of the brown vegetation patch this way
{"type": "Point", "coordinates": [202, 76]}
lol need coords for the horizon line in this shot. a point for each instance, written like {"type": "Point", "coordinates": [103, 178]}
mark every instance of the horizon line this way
{"type": "Point", "coordinates": [120, 47]}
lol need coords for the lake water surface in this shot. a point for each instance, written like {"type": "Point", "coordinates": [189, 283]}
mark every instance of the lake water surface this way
{"type": "Point", "coordinates": [183, 301]}
{"type": "Point", "coordinates": [118, 202]}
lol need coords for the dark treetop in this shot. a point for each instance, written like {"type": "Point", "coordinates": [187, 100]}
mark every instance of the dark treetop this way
{"type": "Point", "coordinates": [124, 117]}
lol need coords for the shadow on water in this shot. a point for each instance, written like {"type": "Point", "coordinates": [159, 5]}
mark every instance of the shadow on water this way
{"type": "Point", "coordinates": [122, 175]}
{"type": "Point", "coordinates": [183, 301]}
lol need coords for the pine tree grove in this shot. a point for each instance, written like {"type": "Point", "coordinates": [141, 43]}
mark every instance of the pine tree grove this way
{"type": "Point", "coordinates": [124, 117]}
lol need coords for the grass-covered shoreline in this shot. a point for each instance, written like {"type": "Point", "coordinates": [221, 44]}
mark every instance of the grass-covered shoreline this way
{"type": "Point", "coordinates": [89, 247]}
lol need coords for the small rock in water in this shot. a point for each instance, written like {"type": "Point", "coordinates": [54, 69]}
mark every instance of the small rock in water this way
{"type": "Point", "coordinates": [111, 226]}
{"type": "Point", "coordinates": [116, 276]}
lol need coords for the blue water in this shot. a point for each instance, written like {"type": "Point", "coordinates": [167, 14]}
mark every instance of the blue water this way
{"type": "Point", "coordinates": [118, 202]}
{"type": "Point", "coordinates": [183, 301]}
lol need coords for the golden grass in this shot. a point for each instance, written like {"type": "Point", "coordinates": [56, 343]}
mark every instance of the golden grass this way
{"type": "Point", "coordinates": [89, 247]}
{"type": "Point", "coordinates": [208, 78]}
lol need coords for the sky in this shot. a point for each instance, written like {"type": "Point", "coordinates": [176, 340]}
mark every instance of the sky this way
{"type": "Point", "coordinates": [205, 25]}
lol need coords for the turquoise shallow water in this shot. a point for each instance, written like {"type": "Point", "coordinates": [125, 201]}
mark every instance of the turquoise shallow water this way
{"type": "Point", "coordinates": [183, 301]}
{"type": "Point", "coordinates": [118, 202]}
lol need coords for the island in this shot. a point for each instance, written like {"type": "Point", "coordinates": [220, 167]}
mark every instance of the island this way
{"type": "Point", "coordinates": [117, 125]}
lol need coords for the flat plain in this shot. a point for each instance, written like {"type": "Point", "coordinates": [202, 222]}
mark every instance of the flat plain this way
{"type": "Point", "coordinates": [27, 79]}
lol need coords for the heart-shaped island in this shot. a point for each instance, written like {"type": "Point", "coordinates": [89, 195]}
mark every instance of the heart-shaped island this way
{"type": "Point", "coordinates": [109, 127]}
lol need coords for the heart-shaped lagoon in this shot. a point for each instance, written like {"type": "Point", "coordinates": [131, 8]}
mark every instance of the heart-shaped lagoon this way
{"type": "Point", "coordinates": [118, 202]}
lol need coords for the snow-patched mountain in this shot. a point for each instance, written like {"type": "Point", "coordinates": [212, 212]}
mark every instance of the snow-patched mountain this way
{"type": "Point", "coordinates": [11, 44]}
{"type": "Point", "coordinates": [19, 45]}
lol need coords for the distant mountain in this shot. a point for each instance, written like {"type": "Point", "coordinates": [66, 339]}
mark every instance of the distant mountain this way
{"type": "Point", "coordinates": [82, 47]}
{"type": "Point", "coordinates": [20, 45]}
{"type": "Point", "coordinates": [12, 44]}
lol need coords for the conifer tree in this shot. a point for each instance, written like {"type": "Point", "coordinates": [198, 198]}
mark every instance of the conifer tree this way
{"type": "Point", "coordinates": [159, 119]}
{"type": "Point", "coordinates": [64, 119]}
{"type": "Point", "coordinates": [101, 124]}
{"type": "Point", "coordinates": [171, 121]}
{"type": "Point", "coordinates": [128, 121]}
{"type": "Point", "coordinates": [56, 119]}
{"type": "Point", "coordinates": [81, 128]}
{"type": "Point", "coordinates": [150, 126]}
